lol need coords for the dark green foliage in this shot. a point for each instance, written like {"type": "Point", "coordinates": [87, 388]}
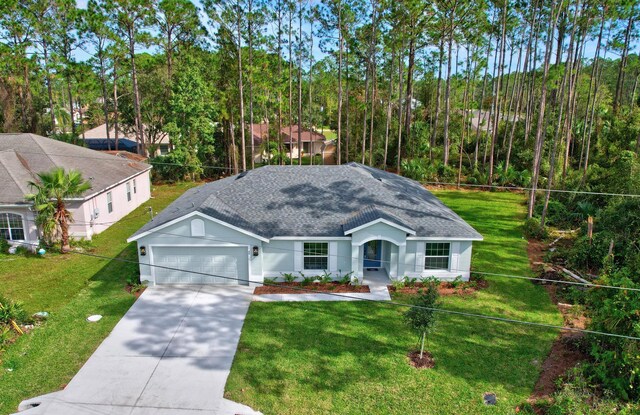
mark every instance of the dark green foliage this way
{"type": "Point", "coordinates": [557, 214]}
{"type": "Point", "coordinates": [588, 255]}
{"type": "Point", "coordinates": [12, 311]}
{"type": "Point", "coordinates": [616, 361]}
{"type": "Point", "coordinates": [533, 230]}
{"type": "Point", "coordinates": [4, 246]}
{"type": "Point", "coordinates": [422, 318]}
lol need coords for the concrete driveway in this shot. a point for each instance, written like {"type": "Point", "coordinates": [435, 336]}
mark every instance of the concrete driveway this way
{"type": "Point", "coordinates": [170, 354]}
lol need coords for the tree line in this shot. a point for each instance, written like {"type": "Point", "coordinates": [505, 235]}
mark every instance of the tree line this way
{"type": "Point", "coordinates": [539, 94]}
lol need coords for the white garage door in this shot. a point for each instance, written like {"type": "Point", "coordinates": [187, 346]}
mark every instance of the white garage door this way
{"type": "Point", "coordinates": [225, 263]}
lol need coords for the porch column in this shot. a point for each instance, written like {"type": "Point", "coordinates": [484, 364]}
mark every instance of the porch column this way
{"type": "Point", "coordinates": [356, 261]}
{"type": "Point", "coordinates": [402, 250]}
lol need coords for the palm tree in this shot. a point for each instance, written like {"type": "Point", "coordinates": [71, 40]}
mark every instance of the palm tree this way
{"type": "Point", "coordinates": [52, 189]}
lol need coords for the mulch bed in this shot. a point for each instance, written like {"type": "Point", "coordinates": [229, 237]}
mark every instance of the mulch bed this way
{"type": "Point", "coordinates": [131, 290]}
{"type": "Point", "coordinates": [445, 288]}
{"type": "Point", "coordinates": [427, 361]}
{"type": "Point", "coordinates": [298, 288]}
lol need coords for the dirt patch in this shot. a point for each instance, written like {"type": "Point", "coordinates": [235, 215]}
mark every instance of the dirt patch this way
{"type": "Point", "coordinates": [298, 288]}
{"type": "Point", "coordinates": [445, 288]}
{"type": "Point", "coordinates": [564, 352]}
{"type": "Point", "coordinates": [535, 251]}
{"type": "Point", "coordinates": [427, 361]}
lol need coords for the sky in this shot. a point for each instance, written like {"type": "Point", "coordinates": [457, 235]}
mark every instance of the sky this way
{"type": "Point", "coordinates": [318, 54]}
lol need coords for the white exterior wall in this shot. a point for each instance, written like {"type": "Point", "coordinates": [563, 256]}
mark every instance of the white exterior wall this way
{"type": "Point", "coordinates": [459, 260]}
{"type": "Point", "coordinates": [180, 234]}
{"type": "Point", "coordinates": [31, 235]}
{"type": "Point", "coordinates": [86, 223]}
{"type": "Point", "coordinates": [286, 256]}
{"type": "Point", "coordinates": [401, 255]}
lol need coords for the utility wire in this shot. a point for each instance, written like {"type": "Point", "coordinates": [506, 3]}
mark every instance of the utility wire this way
{"type": "Point", "coordinates": [528, 189]}
{"type": "Point", "coordinates": [352, 297]}
{"type": "Point", "coordinates": [382, 261]}
{"type": "Point", "coordinates": [583, 192]}
{"type": "Point", "coordinates": [484, 273]}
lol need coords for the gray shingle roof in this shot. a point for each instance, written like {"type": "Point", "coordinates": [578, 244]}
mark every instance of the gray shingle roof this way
{"type": "Point", "coordinates": [22, 156]}
{"type": "Point", "coordinates": [317, 201]}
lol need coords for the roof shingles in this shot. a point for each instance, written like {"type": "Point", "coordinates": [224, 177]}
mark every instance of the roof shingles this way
{"type": "Point", "coordinates": [317, 201]}
{"type": "Point", "coordinates": [22, 156]}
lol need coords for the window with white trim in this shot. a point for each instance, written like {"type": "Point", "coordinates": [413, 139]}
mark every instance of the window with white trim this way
{"type": "Point", "coordinates": [316, 255]}
{"type": "Point", "coordinates": [109, 202]}
{"type": "Point", "coordinates": [11, 227]}
{"type": "Point", "coordinates": [128, 191]}
{"type": "Point", "coordinates": [436, 255]}
{"type": "Point", "coordinates": [135, 187]}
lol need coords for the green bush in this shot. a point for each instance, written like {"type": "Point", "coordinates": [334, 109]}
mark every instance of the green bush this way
{"type": "Point", "coordinates": [533, 230]}
{"type": "Point", "coordinates": [4, 246]}
{"type": "Point", "coordinates": [616, 361]}
{"type": "Point", "coordinates": [588, 255]}
{"type": "Point", "coordinates": [12, 310]}
{"type": "Point", "coordinates": [557, 214]}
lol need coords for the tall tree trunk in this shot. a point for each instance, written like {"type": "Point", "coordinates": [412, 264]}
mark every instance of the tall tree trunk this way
{"type": "Point", "coordinates": [496, 115]}
{"type": "Point", "coordinates": [447, 99]}
{"type": "Point", "coordinates": [116, 127]}
{"type": "Point", "coordinates": [389, 100]}
{"type": "Point", "coordinates": [279, 132]}
{"type": "Point", "coordinates": [250, 39]}
{"type": "Point", "coordinates": [136, 94]}
{"type": "Point", "coordinates": [310, 109]}
{"type": "Point", "coordinates": [623, 63]}
{"type": "Point", "coordinates": [45, 50]}
{"type": "Point", "coordinates": [300, 88]}
{"type": "Point", "coordinates": [400, 109]}
{"type": "Point", "coordinates": [341, 48]}
{"type": "Point", "coordinates": [409, 94]}
{"type": "Point", "coordinates": [105, 98]}
{"type": "Point", "coordinates": [541, 112]}
{"type": "Point", "coordinates": [291, 89]}
{"type": "Point", "coordinates": [437, 112]}
{"type": "Point", "coordinates": [241, 97]}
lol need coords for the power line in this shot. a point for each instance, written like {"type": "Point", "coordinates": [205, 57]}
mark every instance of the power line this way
{"type": "Point", "coordinates": [393, 303]}
{"type": "Point", "coordinates": [484, 273]}
{"type": "Point", "coordinates": [583, 192]}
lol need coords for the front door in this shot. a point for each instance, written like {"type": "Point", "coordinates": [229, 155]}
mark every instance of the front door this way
{"type": "Point", "coordinates": [373, 254]}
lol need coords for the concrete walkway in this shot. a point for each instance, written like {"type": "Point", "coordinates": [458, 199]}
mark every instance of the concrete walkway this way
{"type": "Point", "coordinates": [170, 354]}
{"type": "Point", "coordinates": [376, 280]}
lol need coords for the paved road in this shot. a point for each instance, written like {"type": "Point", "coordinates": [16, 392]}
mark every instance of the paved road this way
{"type": "Point", "coordinates": [170, 354]}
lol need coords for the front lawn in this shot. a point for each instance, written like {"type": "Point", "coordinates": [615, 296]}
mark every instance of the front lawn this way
{"type": "Point", "coordinates": [350, 357]}
{"type": "Point", "coordinates": [70, 287]}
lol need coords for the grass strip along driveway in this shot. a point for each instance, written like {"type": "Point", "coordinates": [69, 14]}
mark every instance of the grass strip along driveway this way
{"type": "Point", "coordinates": [70, 287]}
{"type": "Point", "coordinates": [350, 357]}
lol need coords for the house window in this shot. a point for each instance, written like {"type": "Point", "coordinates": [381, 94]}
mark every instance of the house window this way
{"type": "Point", "coordinates": [316, 255]}
{"type": "Point", "coordinates": [109, 202]}
{"type": "Point", "coordinates": [135, 187]}
{"type": "Point", "coordinates": [11, 227]}
{"type": "Point", "coordinates": [436, 255]}
{"type": "Point", "coordinates": [164, 149]}
{"type": "Point", "coordinates": [128, 191]}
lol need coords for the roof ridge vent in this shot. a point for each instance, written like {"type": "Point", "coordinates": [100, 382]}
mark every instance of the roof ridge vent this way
{"type": "Point", "coordinates": [241, 175]}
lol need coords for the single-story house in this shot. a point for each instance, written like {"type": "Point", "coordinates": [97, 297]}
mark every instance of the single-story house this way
{"type": "Point", "coordinates": [304, 219]}
{"type": "Point", "coordinates": [312, 142]}
{"type": "Point", "coordinates": [96, 139]}
{"type": "Point", "coordinates": [119, 185]}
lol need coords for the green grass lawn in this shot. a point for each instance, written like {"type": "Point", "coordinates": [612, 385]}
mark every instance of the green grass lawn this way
{"type": "Point", "coordinates": [71, 287]}
{"type": "Point", "coordinates": [350, 357]}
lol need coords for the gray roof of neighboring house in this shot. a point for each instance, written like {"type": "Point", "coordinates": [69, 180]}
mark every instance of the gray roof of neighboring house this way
{"type": "Point", "coordinates": [22, 156]}
{"type": "Point", "coordinates": [317, 201]}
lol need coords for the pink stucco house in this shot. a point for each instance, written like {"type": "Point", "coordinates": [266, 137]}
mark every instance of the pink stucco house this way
{"type": "Point", "coordinates": [119, 185]}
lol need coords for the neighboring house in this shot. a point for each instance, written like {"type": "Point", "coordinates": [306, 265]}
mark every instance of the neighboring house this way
{"type": "Point", "coordinates": [312, 142]}
{"type": "Point", "coordinates": [96, 139]}
{"type": "Point", "coordinates": [308, 219]}
{"type": "Point", "coordinates": [119, 185]}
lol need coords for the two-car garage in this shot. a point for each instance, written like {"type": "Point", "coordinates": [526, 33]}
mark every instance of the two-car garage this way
{"type": "Point", "coordinates": [222, 265]}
